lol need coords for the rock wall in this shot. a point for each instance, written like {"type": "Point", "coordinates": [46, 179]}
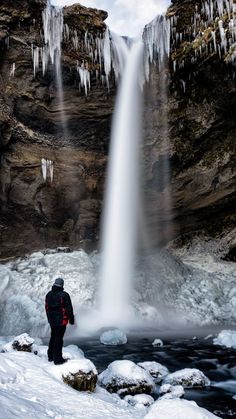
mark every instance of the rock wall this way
{"type": "Point", "coordinates": [191, 123]}
{"type": "Point", "coordinates": [35, 214]}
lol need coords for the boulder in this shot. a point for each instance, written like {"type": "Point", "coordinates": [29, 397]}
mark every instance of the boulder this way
{"type": "Point", "coordinates": [20, 343]}
{"type": "Point", "coordinates": [113, 338]}
{"type": "Point", "coordinates": [126, 378]}
{"type": "Point", "coordinates": [156, 370]}
{"type": "Point", "coordinates": [188, 378]}
{"type": "Point", "coordinates": [80, 374]}
{"type": "Point", "coordinates": [157, 342]}
{"type": "Point", "coordinates": [167, 391]}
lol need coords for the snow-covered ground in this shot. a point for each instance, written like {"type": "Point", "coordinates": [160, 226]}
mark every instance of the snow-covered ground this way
{"type": "Point", "coordinates": [33, 388]}
{"type": "Point", "coordinates": [184, 285]}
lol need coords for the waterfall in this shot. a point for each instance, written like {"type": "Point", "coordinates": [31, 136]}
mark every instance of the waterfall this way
{"type": "Point", "coordinates": [53, 34]}
{"type": "Point", "coordinates": [122, 194]}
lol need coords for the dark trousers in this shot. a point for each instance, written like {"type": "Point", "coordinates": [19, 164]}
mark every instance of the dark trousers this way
{"type": "Point", "coordinates": [56, 344]}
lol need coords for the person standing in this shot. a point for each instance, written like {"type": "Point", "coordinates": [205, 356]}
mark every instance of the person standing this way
{"type": "Point", "coordinates": [59, 312]}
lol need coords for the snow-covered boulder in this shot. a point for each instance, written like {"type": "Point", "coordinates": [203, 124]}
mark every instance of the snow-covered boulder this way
{"type": "Point", "coordinates": [157, 343]}
{"type": "Point", "coordinates": [157, 371]}
{"type": "Point", "coordinates": [126, 378]}
{"type": "Point", "coordinates": [113, 337]}
{"type": "Point", "coordinates": [20, 343]}
{"type": "Point", "coordinates": [140, 400]}
{"type": "Point", "coordinates": [226, 338]}
{"type": "Point", "coordinates": [167, 391]}
{"type": "Point", "coordinates": [188, 378]}
{"type": "Point", "coordinates": [178, 409]}
{"type": "Point", "coordinates": [80, 374]}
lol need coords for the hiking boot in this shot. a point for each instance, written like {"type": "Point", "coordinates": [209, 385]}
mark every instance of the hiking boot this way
{"type": "Point", "coordinates": [62, 361]}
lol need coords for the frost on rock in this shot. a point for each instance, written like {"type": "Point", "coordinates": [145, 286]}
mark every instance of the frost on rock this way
{"type": "Point", "coordinates": [113, 337]}
{"type": "Point", "coordinates": [167, 391]}
{"type": "Point", "coordinates": [226, 338]}
{"type": "Point", "coordinates": [20, 343]}
{"type": "Point", "coordinates": [188, 378]}
{"type": "Point", "coordinates": [178, 409]}
{"type": "Point", "coordinates": [156, 370]}
{"type": "Point", "coordinates": [157, 342]}
{"type": "Point", "coordinates": [126, 378]}
{"type": "Point", "coordinates": [140, 400]}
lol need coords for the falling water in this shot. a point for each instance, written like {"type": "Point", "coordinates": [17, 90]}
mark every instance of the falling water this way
{"type": "Point", "coordinates": [53, 35]}
{"type": "Point", "coordinates": [122, 196]}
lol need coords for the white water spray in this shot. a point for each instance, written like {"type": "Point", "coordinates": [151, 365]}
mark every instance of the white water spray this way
{"type": "Point", "coordinates": [122, 196]}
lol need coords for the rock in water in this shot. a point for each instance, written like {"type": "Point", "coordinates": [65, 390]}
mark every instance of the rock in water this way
{"type": "Point", "coordinates": [188, 378]}
{"type": "Point", "coordinates": [20, 343]}
{"type": "Point", "coordinates": [114, 337]}
{"type": "Point", "coordinates": [126, 378]}
{"type": "Point", "coordinates": [156, 370]}
{"type": "Point", "coordinates": [167, 391]}
{"type": "Point", "coordinates": [80, 374]}
{"type": "Point", "coordinates": [157, 342]}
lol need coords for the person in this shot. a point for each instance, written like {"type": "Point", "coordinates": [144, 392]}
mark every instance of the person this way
{"type": "Point", "coordinates": [59, 312]}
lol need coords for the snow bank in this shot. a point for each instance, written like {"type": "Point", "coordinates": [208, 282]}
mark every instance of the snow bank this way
{"type": "Point", "coordinates": [69, 352]}
{"type": "Point", "coordinates": [178, 409]}
{"type": "Point", "coordinates": [113, 337]}
{"type": "Point", "coordinates": [156, 370]}
{"type": "Point", "coordinates": [188, 378]}
{"type": "Point", "coordinates": [29, 389]}
{"type": "Point", "coordinates": [226, 338]}
{"type": "Point", "coordinates": [125, 377]}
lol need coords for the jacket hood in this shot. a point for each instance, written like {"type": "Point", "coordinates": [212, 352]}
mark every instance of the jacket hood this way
{"type": "Point", "coordinates": [55, 288]}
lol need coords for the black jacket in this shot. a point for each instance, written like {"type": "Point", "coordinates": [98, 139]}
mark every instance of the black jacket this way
{"type": "Point", "coordinates": [58, 307]}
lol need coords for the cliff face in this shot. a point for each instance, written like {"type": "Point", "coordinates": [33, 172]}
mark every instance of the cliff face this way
{"type": "Point", "coordinates": [37, 214]}
{"type": "Point", "coordinates": [200, 128]}
{"type": "Point", "coordinates": [194, 118]}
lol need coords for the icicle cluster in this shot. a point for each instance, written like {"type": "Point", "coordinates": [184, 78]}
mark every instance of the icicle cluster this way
{"type": "Point", "coordinates": [105, 52]}
{"type": "Point", "coordinates": [47, 169]}
{"type": "Point", "coordinates": [53, 35]}
{"type": "Point", "coordinates": [213, 30]}
{"type": "Point", "coordinates": [157, 42]}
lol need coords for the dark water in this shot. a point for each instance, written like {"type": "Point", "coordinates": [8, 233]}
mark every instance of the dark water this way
{"type": "Point", "coordinates": [216, 362]}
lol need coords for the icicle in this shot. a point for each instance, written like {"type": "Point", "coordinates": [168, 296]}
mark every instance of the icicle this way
{"type": "Point", "coordinates": [44, 169]}
{"type": "Point", "coordinates": [13, 69]}
{"type": "Point", "coordinates": [84, 75]}
{"type": "Point", "coordinates": [107, 56]}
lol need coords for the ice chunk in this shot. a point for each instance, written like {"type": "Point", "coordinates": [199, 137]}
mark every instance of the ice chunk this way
{"type": "Point", "coordinates": [113, 337]}
{"type": "Point", "coordinates": [157, 342]}
{"type": "Point", "coordinates": [226, 338]}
